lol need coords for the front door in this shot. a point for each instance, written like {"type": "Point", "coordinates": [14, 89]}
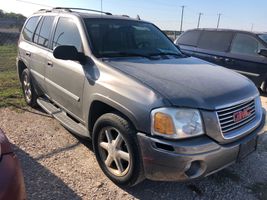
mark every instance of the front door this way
{"type": "Point", "coordinates": [244, 58]}
{"type": "Point", "coordinates": [64, 79]}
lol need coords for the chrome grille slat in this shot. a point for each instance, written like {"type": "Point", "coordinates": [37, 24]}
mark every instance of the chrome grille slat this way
{"type": "Point", "coordinates": [226, 122]}
{"type": "Point", "coordinates": [236, 123]}
{"type": "Point", "coordinates": [239, 105]}
{"type": "Point", "coordinates": [226, 116]}
{"type": "Point", "coordinates": [239, 125]}
{"type": "Point", "coordinates": [231, 112]}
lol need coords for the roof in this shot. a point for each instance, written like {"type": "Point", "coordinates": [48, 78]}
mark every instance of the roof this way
{"type": "Point", "coordinates": [90, 15]}
{"type": "Point", "coordinates": [228, 30]}
{"type": "Point", "coordinates": [86, 13]}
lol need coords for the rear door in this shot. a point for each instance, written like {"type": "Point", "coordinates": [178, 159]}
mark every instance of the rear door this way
{"type": "Point", "coordinates": [65, 78]}
{"type": "Point", "coordinates": [244, 57]}
{"type": "Point", "coordinates": [25, 42]}
{"type": "Point", "coordinates": [213, 45]}
{"type": "Point", "coordinates": [40, 49]}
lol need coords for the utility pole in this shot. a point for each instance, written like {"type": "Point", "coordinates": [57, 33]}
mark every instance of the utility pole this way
{"type": "Point", "coordinates": [252, 26]}
{"type": "Point", "coordinates": [219, 19]}
{"type": "Point", "coordinates": [182, 19]}
{"type": "Point", "coordinates": [199, 18]}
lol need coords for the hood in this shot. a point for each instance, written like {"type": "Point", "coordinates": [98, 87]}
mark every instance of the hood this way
{"type": "Point", "coordinates": [189, 82]}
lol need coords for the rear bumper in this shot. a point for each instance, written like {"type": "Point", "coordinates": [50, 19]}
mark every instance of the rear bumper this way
{"type": "Point", "coordinates": [166, 160]}
{"type": "Point", "coordinates": [11, 178]}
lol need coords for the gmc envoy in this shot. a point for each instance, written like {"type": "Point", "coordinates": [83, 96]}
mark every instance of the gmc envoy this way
{"type": "Point", "coordinates": [151, 111]}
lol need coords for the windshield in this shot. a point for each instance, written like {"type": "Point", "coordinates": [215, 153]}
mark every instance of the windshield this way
{"type": "Point", "coordinates": [263, 37]}
{"type": "Point", "coordinates": [123, 38]}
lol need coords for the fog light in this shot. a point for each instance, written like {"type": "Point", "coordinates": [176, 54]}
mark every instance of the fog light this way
{"type": "Point", "coordinates": [195, 169]}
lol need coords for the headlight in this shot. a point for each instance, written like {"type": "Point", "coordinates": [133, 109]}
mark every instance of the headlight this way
{"type": "Point", "coordinates": [176, 123]}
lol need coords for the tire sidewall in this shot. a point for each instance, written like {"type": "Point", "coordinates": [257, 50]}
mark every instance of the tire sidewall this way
{"type": "Point", "coordinates": [32, 102]}
{"type": "Point", "coordinates": [130, 138]}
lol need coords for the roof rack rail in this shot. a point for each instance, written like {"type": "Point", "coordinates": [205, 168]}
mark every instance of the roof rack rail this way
{"type": "Point", "coordinates": [70, 10]}
{"type": "Point", "coordinates": [43, 11]}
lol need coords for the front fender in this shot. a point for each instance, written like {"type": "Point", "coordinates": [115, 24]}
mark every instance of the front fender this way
{"type": "Point", "coordinates": [117, 106]}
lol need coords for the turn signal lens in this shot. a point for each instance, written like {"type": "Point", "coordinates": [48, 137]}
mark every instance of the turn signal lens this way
{"type": "Point", "coordinates": [163, 124]}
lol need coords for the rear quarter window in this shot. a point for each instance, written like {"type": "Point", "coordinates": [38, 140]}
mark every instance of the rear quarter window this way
{"type": "Point", "coordinates": [41, 36]}
{"type": "Point", "coordinates": [215, 40]}
{"type": "Point", "coordinates": [189, 38]}
{"type": "Point", "coordinates": [29, 28]}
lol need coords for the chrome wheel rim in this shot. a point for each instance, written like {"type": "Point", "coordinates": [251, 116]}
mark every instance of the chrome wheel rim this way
{"type": "Point", "coordinates": [27, 88]}
{"type": "Point", "coordinates": [114, 151]}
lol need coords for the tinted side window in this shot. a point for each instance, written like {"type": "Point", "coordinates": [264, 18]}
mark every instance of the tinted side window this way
{"type": "Point", "coordinates": [42, 34]}
{"type": "Point", "coordinates": [37, 32]}
{"type": "Point", "coordinates": [215, 40]}
{"type": "Point", "coordinates": [245, 44]}
{"type": "Point", "coordinates": [189, 38]}
{"type": "Point", "coordinates": [29, 28]}
{"type": "Point", "coordinates": [67, 33]}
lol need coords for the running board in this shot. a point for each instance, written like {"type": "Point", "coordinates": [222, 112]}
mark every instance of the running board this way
{"type": "Point", "coordinates": [63, 118]}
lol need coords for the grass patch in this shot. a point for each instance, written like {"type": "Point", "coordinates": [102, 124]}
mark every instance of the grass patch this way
{"type": "Point", "coordinates": [10, 91]}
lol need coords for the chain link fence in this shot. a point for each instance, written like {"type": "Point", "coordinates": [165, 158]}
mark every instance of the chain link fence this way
{"type": "Point", "coordinates": [9, 37]}
{"type": "Point", "coordinates": [10, 92]}
{"type": "Point", "coordinates": [10, 26]}
{"type": "Point", "coordinates": [8, 46]}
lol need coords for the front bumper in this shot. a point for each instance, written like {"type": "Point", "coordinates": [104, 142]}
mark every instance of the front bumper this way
{"type": "Point", "coordinates": [165, 160]}
{"type": "Point", "coordinates": [11, 178]}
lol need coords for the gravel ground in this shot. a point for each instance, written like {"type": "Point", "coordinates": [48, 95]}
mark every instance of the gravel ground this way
{"type": "Point", "coordinates": [57, 165]}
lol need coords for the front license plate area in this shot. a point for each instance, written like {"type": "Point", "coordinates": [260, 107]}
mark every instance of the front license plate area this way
{"type": "Point", "coordinates": [247, 148]}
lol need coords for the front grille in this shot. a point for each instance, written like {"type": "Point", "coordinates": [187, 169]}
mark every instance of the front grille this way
{"type": "Point", "coordinates": [226, 116]}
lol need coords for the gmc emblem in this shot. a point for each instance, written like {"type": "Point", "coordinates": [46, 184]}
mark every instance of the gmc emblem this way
{"type": "Point", "coordinates": [238, 116]}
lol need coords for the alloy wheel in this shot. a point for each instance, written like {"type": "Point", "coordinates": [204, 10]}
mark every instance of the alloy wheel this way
{"type": "Point", "coordinates": [114, 151]}
{"type": "Point", "coordinates": [27, 88]}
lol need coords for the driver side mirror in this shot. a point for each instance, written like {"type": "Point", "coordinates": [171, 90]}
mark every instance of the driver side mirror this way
{"type": "Point", "coordinates": [263, 52]}
{"type": "Point", "coordinates": [65, 52]}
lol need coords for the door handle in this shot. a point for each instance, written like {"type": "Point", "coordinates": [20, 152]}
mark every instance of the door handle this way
{"type": "Point", "coordinates": [218, 58]}
{"type": "Point", "coordinates": [228, 60]}
{"type": "Point", "coordinates": [49, 63]}
{"type": "Point", "coordinates": [28, 53]}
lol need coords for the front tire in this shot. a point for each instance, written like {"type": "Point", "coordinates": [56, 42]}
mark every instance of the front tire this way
{"type": "Point", "coordinates": [29, 93]}
{"type": "Point", "coordinates": [116, 150]}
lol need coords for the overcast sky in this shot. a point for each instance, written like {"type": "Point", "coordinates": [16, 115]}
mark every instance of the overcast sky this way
{"type": "Point", "coordinates": [236, 14]}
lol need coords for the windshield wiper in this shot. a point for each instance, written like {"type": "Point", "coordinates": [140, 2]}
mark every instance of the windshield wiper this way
{"type": "Point", "coordinates": [125, 54]}
{"type": "Point", "coordinates": [165, 54]}
{"type": "Point", "coordinates": [133, 54]}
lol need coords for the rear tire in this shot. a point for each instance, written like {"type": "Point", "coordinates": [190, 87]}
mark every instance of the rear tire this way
{"type": "Point", "coordinates": [116, 149]}
{"type": "Point", "coordinates": [29, 93]}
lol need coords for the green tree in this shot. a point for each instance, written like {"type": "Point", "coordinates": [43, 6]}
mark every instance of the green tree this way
{"type": "Point", "coordinates": [11, 15]}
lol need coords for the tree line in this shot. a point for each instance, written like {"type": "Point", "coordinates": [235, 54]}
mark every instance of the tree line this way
{"type": "Point", "coordinates": [11, 15]}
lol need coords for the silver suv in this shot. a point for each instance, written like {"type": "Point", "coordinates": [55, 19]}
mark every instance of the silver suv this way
{"type": "Point", "coordinates": [151, 111]}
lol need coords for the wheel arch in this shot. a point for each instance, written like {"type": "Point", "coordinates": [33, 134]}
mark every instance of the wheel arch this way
{"type": "Point", "coordinates": [20, 67]}
{"type": "Point", "coordinates": [102, 105]}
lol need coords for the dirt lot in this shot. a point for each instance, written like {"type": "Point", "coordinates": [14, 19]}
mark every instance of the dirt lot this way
{"type": "Point", "coordinates": [58, 165]}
